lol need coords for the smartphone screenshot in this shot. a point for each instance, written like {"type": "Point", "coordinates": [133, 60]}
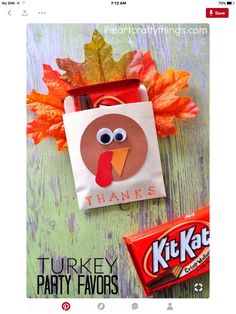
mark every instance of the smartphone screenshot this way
{"type": "Point", "coordinates": [117, 156]}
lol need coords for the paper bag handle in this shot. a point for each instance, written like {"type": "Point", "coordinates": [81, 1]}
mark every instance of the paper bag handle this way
{"type": "Point", "coordinates": [107, 97]}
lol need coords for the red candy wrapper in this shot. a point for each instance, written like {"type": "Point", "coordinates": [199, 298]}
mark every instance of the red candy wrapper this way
{"type": "Point", "coordinates": [171, 252]}
{"type": "Point", "coordinates": [109, 93]}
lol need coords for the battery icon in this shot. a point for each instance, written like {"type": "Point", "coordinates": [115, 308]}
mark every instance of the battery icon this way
{"type": "Point", "coordinates": [230, 2]}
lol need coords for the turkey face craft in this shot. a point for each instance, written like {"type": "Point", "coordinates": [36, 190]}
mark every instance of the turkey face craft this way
{"type": "Point", "coordinates": [114, 154]}
{"type": "Point", "coordinates": [113, 148]}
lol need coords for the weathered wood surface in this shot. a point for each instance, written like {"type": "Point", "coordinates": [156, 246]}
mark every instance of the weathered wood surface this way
{"type": "Point", "coordinates": [56, 228]}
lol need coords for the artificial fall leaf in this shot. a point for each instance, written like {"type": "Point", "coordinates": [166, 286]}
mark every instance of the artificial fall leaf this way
{"type": "Point", "coordinates": [167, 105]}
{"type": "Point", "coordinates": [163, 89]}
{"type": "Point", "coordinates": [48, 109]}
{"type": "Point", "coordinates": [142, 67]}
{"type": "Point", "coordinates": [98, 67]}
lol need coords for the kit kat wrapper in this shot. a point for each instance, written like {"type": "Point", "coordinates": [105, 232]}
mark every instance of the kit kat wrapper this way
{"type": "Point", "coordinates": [189, 233]}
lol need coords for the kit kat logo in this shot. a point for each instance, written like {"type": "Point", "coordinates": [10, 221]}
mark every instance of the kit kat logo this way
{"type": "Point", "coordinates": [185, 246]}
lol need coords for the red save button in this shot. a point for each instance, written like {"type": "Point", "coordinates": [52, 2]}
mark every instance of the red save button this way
{"type": "Point", "coordinates": [217, 12]}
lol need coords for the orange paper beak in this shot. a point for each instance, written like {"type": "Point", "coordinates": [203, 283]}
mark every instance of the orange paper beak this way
{"type": "Point", "coordinates": [119, 158]}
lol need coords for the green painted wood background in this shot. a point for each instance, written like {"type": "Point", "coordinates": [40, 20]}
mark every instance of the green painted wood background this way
{"type": "Point", "coordinates": [56, 227]}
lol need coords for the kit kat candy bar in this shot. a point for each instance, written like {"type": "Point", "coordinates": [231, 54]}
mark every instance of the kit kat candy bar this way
{"type": "Point", "coordinates": [170, 275]}
{"type": "Point", "coordinates": [172, 252]}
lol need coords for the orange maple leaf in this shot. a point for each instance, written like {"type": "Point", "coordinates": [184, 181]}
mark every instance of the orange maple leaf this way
{"type": "Point", "coordinates": [98, 67]}
{"type": "Point", "coordinates": [163, 89]}
{"type": "Point", "coordinates": [48, 109]}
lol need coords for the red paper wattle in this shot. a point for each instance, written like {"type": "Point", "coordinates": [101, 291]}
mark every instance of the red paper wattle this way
{"type": "Point", "coordinates": [104, 169]}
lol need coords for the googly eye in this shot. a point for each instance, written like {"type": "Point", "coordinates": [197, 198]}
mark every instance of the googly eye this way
{"type": "Point", "coordinates": [119, 135]}
{"type": "Point", "coordinates": [104, 136]}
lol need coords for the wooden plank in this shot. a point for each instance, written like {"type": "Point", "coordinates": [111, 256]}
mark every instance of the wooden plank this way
{"type": "Point", "coordinates": [56, 228]}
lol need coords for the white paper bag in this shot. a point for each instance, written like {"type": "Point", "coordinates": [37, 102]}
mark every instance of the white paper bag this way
{"type": "Point", "coordinates": [114, 154]}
